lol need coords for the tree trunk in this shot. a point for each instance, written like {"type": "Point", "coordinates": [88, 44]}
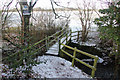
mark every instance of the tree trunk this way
{"type": "Point", "coordinates": [24, 29]}
{"type": "Point", "coordinates": [84, 33]}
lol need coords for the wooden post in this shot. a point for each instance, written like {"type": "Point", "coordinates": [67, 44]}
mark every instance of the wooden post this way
{"type": "Point", "coordinates": [46, 43]}
{"type": "Point", "coordinates": [78, 36]}
{"type": "Point", "coordinates": [70, 35]}
{"type": "Point", "coordinates": [59, 43]}
{"type": "Point", "coordinates": [74, 54]}
{"type": "Point", "coordinates": [93, 70]}
{"type": "Point", "coordinates": [66, 36]}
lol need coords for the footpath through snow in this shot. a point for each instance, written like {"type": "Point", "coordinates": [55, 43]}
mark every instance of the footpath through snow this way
{"type": "Point", "coordinates": [56, 67]}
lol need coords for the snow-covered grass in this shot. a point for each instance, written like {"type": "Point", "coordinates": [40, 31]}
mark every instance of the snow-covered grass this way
{"type": "Point", "coordinates": [56, 67]}
{"type": "Point", "coordinates": [48, 67]}
{"type": "Point", "coordinates": [93, 39]}
{"type": "Point", "coordinates": [17, 73]}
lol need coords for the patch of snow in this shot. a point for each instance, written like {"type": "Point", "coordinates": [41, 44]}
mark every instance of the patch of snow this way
{"type": "Point", "coordinates": [105, 63]}
{"type": "Point", "coordinates": [100, 60]}
{"type": "Point", "coordinates": [9, 73]}
{"type": "Point", "coordinates": [87, 43]}
{"type": "Point", "coordinates": [56, 67]}
{"type": "Point", "coordinates": [87, 60]}
{"type": "Point", "coordinates": [4, 74]}
{"type": "Point", "coordinates": [53, 49]}
{"type": "Point", "coordinates": [93, 39]}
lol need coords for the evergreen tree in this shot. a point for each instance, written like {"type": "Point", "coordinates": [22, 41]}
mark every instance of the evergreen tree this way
{"type": "Point", "coordinates": [109, 27]}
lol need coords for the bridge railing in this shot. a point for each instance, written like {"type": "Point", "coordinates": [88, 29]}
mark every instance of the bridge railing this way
{"type": "Point", "coordinates": [76, 34]}
{"type": "Point", "coordinates": [68, 36]}
{"type": "Point", "coordinates": [84, 53]}
{"type": "Point", "coordinates": [35, 49]}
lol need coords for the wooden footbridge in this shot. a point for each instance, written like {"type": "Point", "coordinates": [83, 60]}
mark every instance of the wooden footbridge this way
{"type": "Point", "coordinates": [54, 45]}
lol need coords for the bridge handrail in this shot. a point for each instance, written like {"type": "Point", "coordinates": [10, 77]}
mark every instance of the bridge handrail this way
{"type": "Point", "coordinates": [84, 53]}
{"type": "Point", "coordinates": [46, 38]}
{"type": "Point", "coordinates": [78, 60]}
{"type": "Point", "coordinates": [66, 35]}
{"type": "Point", "coordinates": [76, 35]}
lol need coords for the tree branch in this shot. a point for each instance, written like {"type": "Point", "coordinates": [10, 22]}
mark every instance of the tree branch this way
{"type": "Point", "coordinates": [12, 42]}
{"type": "Point", "coordinates": [56, 15]}
{"type": "Point", "coordinates": [10, 3]}
{"type": "Point", "coordinates": [18, 10]}
{"type": "Point", "coordinates": [4, 11]}
{"type": "Point", "coordinates": [34, 3]}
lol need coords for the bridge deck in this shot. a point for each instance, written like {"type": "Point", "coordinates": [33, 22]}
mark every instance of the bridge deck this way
{"type": "Point", "coordinates": [55, 48]}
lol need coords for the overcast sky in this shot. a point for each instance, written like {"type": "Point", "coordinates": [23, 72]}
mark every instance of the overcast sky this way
{"type": "Point", "coordinates": [46, 3]}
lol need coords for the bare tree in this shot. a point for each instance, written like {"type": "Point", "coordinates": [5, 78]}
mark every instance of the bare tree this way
{"type": "Point", "coordinates": [5, 15]}
{"type": "Point", "coordinates": [57, 15]}
{"type": "Point", "coordinates": [6, 22]}
{"type": "Point", "coordinates": [46, 19]}
{"type": "Point", "coordinates": [85, 12]}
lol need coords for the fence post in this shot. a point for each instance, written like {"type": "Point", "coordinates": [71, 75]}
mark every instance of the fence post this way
{"type": "Point", "coordinates": [70, 34]}
{"type": "Point", "coordinates": [59, 43]}
{"type": "Point", "coordinates": [78, 36]}
{"type": "Point", "coordinates": [66, 36]}
{"type": "Point", "coordinates": [74, 54]}
{"type": "Point", "coordinates": [46, 43]}
{"type": "Point", "coordinates": [93, 70]}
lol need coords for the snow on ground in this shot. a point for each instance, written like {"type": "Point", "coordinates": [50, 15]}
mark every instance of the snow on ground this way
{"type": "Point", "coordinates": [53, 49]}
{"type": "Point", "coordinates": [49, 67]}
{"type": "Point", "coordinates": [56, 67]}
{"type": "Point", "coordinates": [93, 39]}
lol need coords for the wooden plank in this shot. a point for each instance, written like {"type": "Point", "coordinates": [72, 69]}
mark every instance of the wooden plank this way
{"type": "Point", "coordinates": [95, 64]}
{"type": "Point", "coordinates": [87, 54]}
{"type": "Point", "coordinates": [92, 67]}
{"type": "Point", "coordinates": [84, 53]}
{"type": "Point", "coordinates": [67, 53]}
{"type": "Point", "coordinates": [74, 35]}
{"type": "Point", "coordinates": [74, 54]}
{"type": "Point", "coordinates": [74, 31]}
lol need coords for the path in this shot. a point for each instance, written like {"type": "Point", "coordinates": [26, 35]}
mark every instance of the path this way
{"type": "Point", "coordinates": [53, 50]}
{"type": "Point", "coordinates": [56, 67]}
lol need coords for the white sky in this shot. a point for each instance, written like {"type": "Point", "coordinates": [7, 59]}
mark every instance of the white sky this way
{"type": "Point", "coordinates": [46, 3]}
